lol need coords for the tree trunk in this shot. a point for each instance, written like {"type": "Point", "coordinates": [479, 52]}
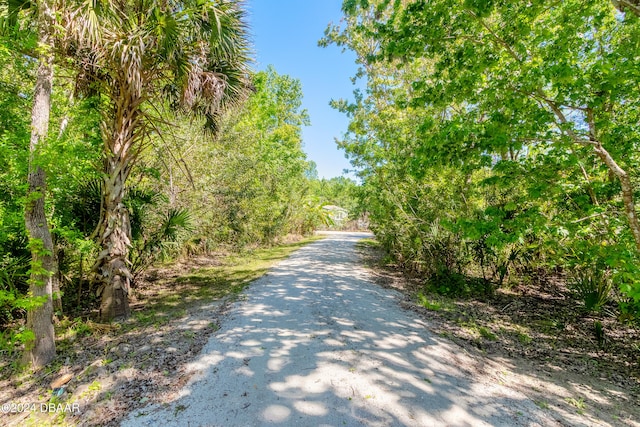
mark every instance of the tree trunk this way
{"type": "Point", "coordinates": [623, 176]}
{"type": "Point", "coordinates": [114, 233]}
{"type": "Point", "coordinates": [43, 264]}
{"type": "Point", "coordinates": [627, 191]}
{"type": "Point", "coordinates": [626, 185]}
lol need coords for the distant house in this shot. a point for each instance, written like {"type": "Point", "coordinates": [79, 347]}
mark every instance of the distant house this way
{"type": "Point", "coordinates": [337, 214]}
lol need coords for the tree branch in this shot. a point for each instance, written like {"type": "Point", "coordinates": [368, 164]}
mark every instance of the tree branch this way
{"type": "Point", "coordinates": [623, 5]}
{"type": "Point", "coordinates": [495, 36]}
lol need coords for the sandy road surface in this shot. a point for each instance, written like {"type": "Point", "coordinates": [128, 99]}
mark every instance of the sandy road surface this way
{"type": "Point", "coordinates": [314, 343]}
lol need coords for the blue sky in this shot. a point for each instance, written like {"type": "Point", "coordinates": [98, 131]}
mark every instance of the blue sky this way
{"type": "Point", "coordinates": [285, 35]}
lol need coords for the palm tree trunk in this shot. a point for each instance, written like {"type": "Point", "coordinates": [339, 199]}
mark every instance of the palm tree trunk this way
{"type": "Point", "coordinates": [114, 233]}
{"type": "Point", "coordinates": [43, 264]}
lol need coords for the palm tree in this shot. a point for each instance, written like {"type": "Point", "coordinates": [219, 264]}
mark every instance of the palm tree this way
{"type": "Point", "coordinates": [142, 55]}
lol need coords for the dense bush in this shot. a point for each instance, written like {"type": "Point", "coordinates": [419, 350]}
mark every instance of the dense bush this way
{"type": "Point", "coordinates": [191, 192]}
{"type": "Point", "coordinates": [494, 141]}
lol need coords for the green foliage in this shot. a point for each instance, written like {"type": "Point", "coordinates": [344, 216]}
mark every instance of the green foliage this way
{"type": "Point", "coordinates": [248, 185]}
{"type": "Point", "coordinates": [11, 340]}
{"type": "Point", "coordinates": [524, 338]}
{"type": "Point", "coordinates": [593, 286]}
{"type": "Point", "coordinates": [492, 139]}
{"type": "Point", "coordinates": [629, 311]}
{"type": "Point", "coordinates": [487, 334]}
{"type": "Point", "coordinates": [427, 303]}
{"type": "Point", "coordinates": [69, 159]}
{"type": "Point", "coordinates": [15, 82]}
{"type": "Point", "coordinates": [243, 185]}
{"type": "Point", "coordinates": [599, 332]}
{"type": "Point", "coordinates": [74, 328]}
{"type": "Point", "coordinates": [13, 282]}
{"type": "Point", "coordinates": [339, 191]}
{"type": "Point", "coordinates": [24, 336]}
{"type": "Point", "coordinates": [308, 215]}
{"type": "Point", "coordinates": [155, 235]}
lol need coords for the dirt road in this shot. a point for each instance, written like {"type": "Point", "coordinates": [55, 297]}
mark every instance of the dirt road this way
{"type": "Point", "coordinates": [315, 343]}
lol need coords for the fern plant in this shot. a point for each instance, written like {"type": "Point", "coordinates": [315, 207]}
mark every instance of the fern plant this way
{"type": "Point", "coordinates": [151, 243]}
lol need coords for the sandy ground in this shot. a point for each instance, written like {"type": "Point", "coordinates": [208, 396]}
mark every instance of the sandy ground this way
{"type": "Point", "coordinates": [316, 343]}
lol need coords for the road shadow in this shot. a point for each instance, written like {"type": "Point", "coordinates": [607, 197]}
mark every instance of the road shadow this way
{"type": "Point", "coordinates": [315, 343]}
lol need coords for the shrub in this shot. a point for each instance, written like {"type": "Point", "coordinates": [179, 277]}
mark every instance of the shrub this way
{"type": "Point", "coordinates": [592, 285]}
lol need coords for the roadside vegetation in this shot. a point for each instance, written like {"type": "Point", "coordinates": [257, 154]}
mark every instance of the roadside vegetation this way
{"type": "Point", "coordinates": [128, 142]}
{"type": "Point", "coordinates": [581, 366]}
{"type": "Point", "coordinates": [110, 368]}
{"type": "Point", "coordinates": [147, 175]}
{"type": "Point", "coordinates": [498, 149]}
{"type": "Point", "coordinates": [497, 145]}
